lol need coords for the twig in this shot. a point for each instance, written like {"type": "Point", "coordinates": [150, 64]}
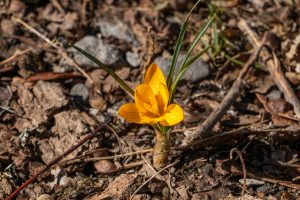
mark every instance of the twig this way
{"type": "Point", "coordinates": [12, 112]}
{"type": "Point", "coordinates": [57, 47]}
{"type": "Point", "coordinates": [241, 133]}
{"type": "Point", "coordinates": [79, 159]}
{"type": "Point", "coordinates": [235, 150]}
{"type": "Point", "coordinates": [84, 6]}
{"type": "Point", "coordinates": [116, 135]}
{"type": "Point", "coordinates": [11, 58]}
{"type": "Point", "coordinates": [230, 98]}
{"type": "Point", "coordinates": [273, 67]}
{"type": "Point", "coordinates": [57, 159]}
{"type": "Point", "coordinates": [288, 164]}
{"type": "Point", "coordinates": [151, 167]}
{"type": "Point", "coordinates": [280, 182]}
{"type": "Point", "coordinates": [166, 167]}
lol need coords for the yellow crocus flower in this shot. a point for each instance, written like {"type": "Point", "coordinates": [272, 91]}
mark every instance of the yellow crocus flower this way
{"type": "Point", "coordinates": [151, 102]}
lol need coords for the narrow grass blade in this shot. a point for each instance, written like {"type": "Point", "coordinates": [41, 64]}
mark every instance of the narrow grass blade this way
{"type": "Point", "coordinates": [200, 33]}
{"type": "Point", "coordinates": [106, 68]}
{"type": "Point", "coordinates": [178, 46]}
{"type": "Point", "coordinates": [216, 37]}
{"type": "Point", "coordinates": [180, 74]}
{"type": "Point", "coordinates": [184, 65]}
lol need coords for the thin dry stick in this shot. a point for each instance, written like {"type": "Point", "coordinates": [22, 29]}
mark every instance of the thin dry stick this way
{"type": "Point", "coordinates": [11, 58]}
{"type": "Point", "coordinates": [151, 166]}
{"type": "Point", "coordinates": [79, 159]}
{"type": "Point", "coordinates": [56, 160]}
{"type": "Point", "coordinates": [57, 47]}
{"type": "Point", "coordinates": [273, 67]}
{"type": "Point", "coordinates": [117, 137]}
{"type": "Point", "coordinates": [84, 6]}
{"type": "Point", "coordinates": [166, 167]}
{"type": "Point", "coordinates": [231, 135]}
{"type": "Point", "coordinates": [235, 150]}
{"type": "Point", "coordinates": [230, 98]}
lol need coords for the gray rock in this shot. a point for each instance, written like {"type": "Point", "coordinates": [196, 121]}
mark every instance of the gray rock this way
{"type": "Point", "coordinates": [274, 94]}
{"type": "Point", "coordinates": [106, 53]}
{"type": "Point", "coordinates": [116, 28]}
{"type": "Point", "coordinates": [133, 59]}
{"type": "Point", "coordinates": [196, 72]}
{"type": "Point", "coordinates": [80, 91]}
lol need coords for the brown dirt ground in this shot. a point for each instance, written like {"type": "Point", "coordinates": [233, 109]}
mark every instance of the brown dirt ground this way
{"type": "Point", "coordinates": [47, 105]}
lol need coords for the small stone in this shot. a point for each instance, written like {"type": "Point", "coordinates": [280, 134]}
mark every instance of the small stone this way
{"type": "Point", "coordinates": [133, 59]}
{"type": "Point", "coordinates": [279, 105]}
{"type": "Point", "coordinates": [106, 53]}
{"type": "Point", "coordinates": [297, 68]}
{"type": "Point", "coordinates": [274, 94]}
{"type": "Point", "coordinates": [7, 27]}
{"type": "Point", "coordinates": [45, 197]}
{"type": "Point", "coordinates": [5, 96]}
{"type": "Point", "coordinates": [66, 181]}
{"type": "Point", "coordinates": [105, 166]}
{"type": "Point", "coordinates": [141, 197]}
{"type": "Point", "coordinates": [252, 182]}
{"type": "Point", "coordinates": [196, 72]}
{"type": "Point", "coordinates": [116, 28]}
{"type": "Point", "coordinates": [80, 91]}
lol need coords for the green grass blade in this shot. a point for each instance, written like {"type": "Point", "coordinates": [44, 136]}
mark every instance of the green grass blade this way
{"type": "Point", "coordinates": [216, 37]}
{"type": "Point", "coordinates": [178, 46]}
{"type": "Point", "coordinates": [105, 68]}
{"type": "Point", "coordinates": [182, 71]}
{"type": "Point", "coordinates": [200, 33]}
{"type": "Point", "coordinates": [184, 65]}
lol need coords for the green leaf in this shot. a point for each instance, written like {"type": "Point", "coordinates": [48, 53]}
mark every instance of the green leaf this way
{"type": "Point", "coordinates": [187, 64]}
{"type": "Point", "coordinates": [178, 46]}
{"type": "Point", "coordinates": [105, 68]}
{"type": "Point", "coordinates": [184, 67]}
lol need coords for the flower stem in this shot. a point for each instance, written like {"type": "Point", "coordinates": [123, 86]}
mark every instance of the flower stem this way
{"type": "Point", "coordinates": [161, 149]}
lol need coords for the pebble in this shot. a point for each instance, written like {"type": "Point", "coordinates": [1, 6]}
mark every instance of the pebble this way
{"type": "Point", "coordinates": [297, 68]}
{"type": "Point", "coordinates": [252, 182]}
{"type": "Point", "coordinates": [105, 166]}
{"type": "Point", "coordinates": [80, 91]}
{"type": "Point", "coordinates": [44, 197]}
{"type": "Point", "coordinates": [115, 27]}
{"type": "Point", "coordinates": [274, 94]}
{"type": "Point", "coordinates": [196, 72]}
{"type": "Point", "coordinates": [133, 59]}
{"type": "Point", "coordinates": [106, 53]}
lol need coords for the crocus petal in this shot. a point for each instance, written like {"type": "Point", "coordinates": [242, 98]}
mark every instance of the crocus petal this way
{"type": "Point", "coordinates": [130, 112]}
{"type": "Point", "coordinates": [173, 116]}
{"type": "Point", "coordinates": [162, 98]}
{"type": "Point", "coordinates": [154, 77]}
{"type": "Point", "coordinates": [145, 100]}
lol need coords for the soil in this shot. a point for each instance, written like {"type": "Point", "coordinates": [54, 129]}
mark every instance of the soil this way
{"type": "Point", "coordinates": [52, 97]}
